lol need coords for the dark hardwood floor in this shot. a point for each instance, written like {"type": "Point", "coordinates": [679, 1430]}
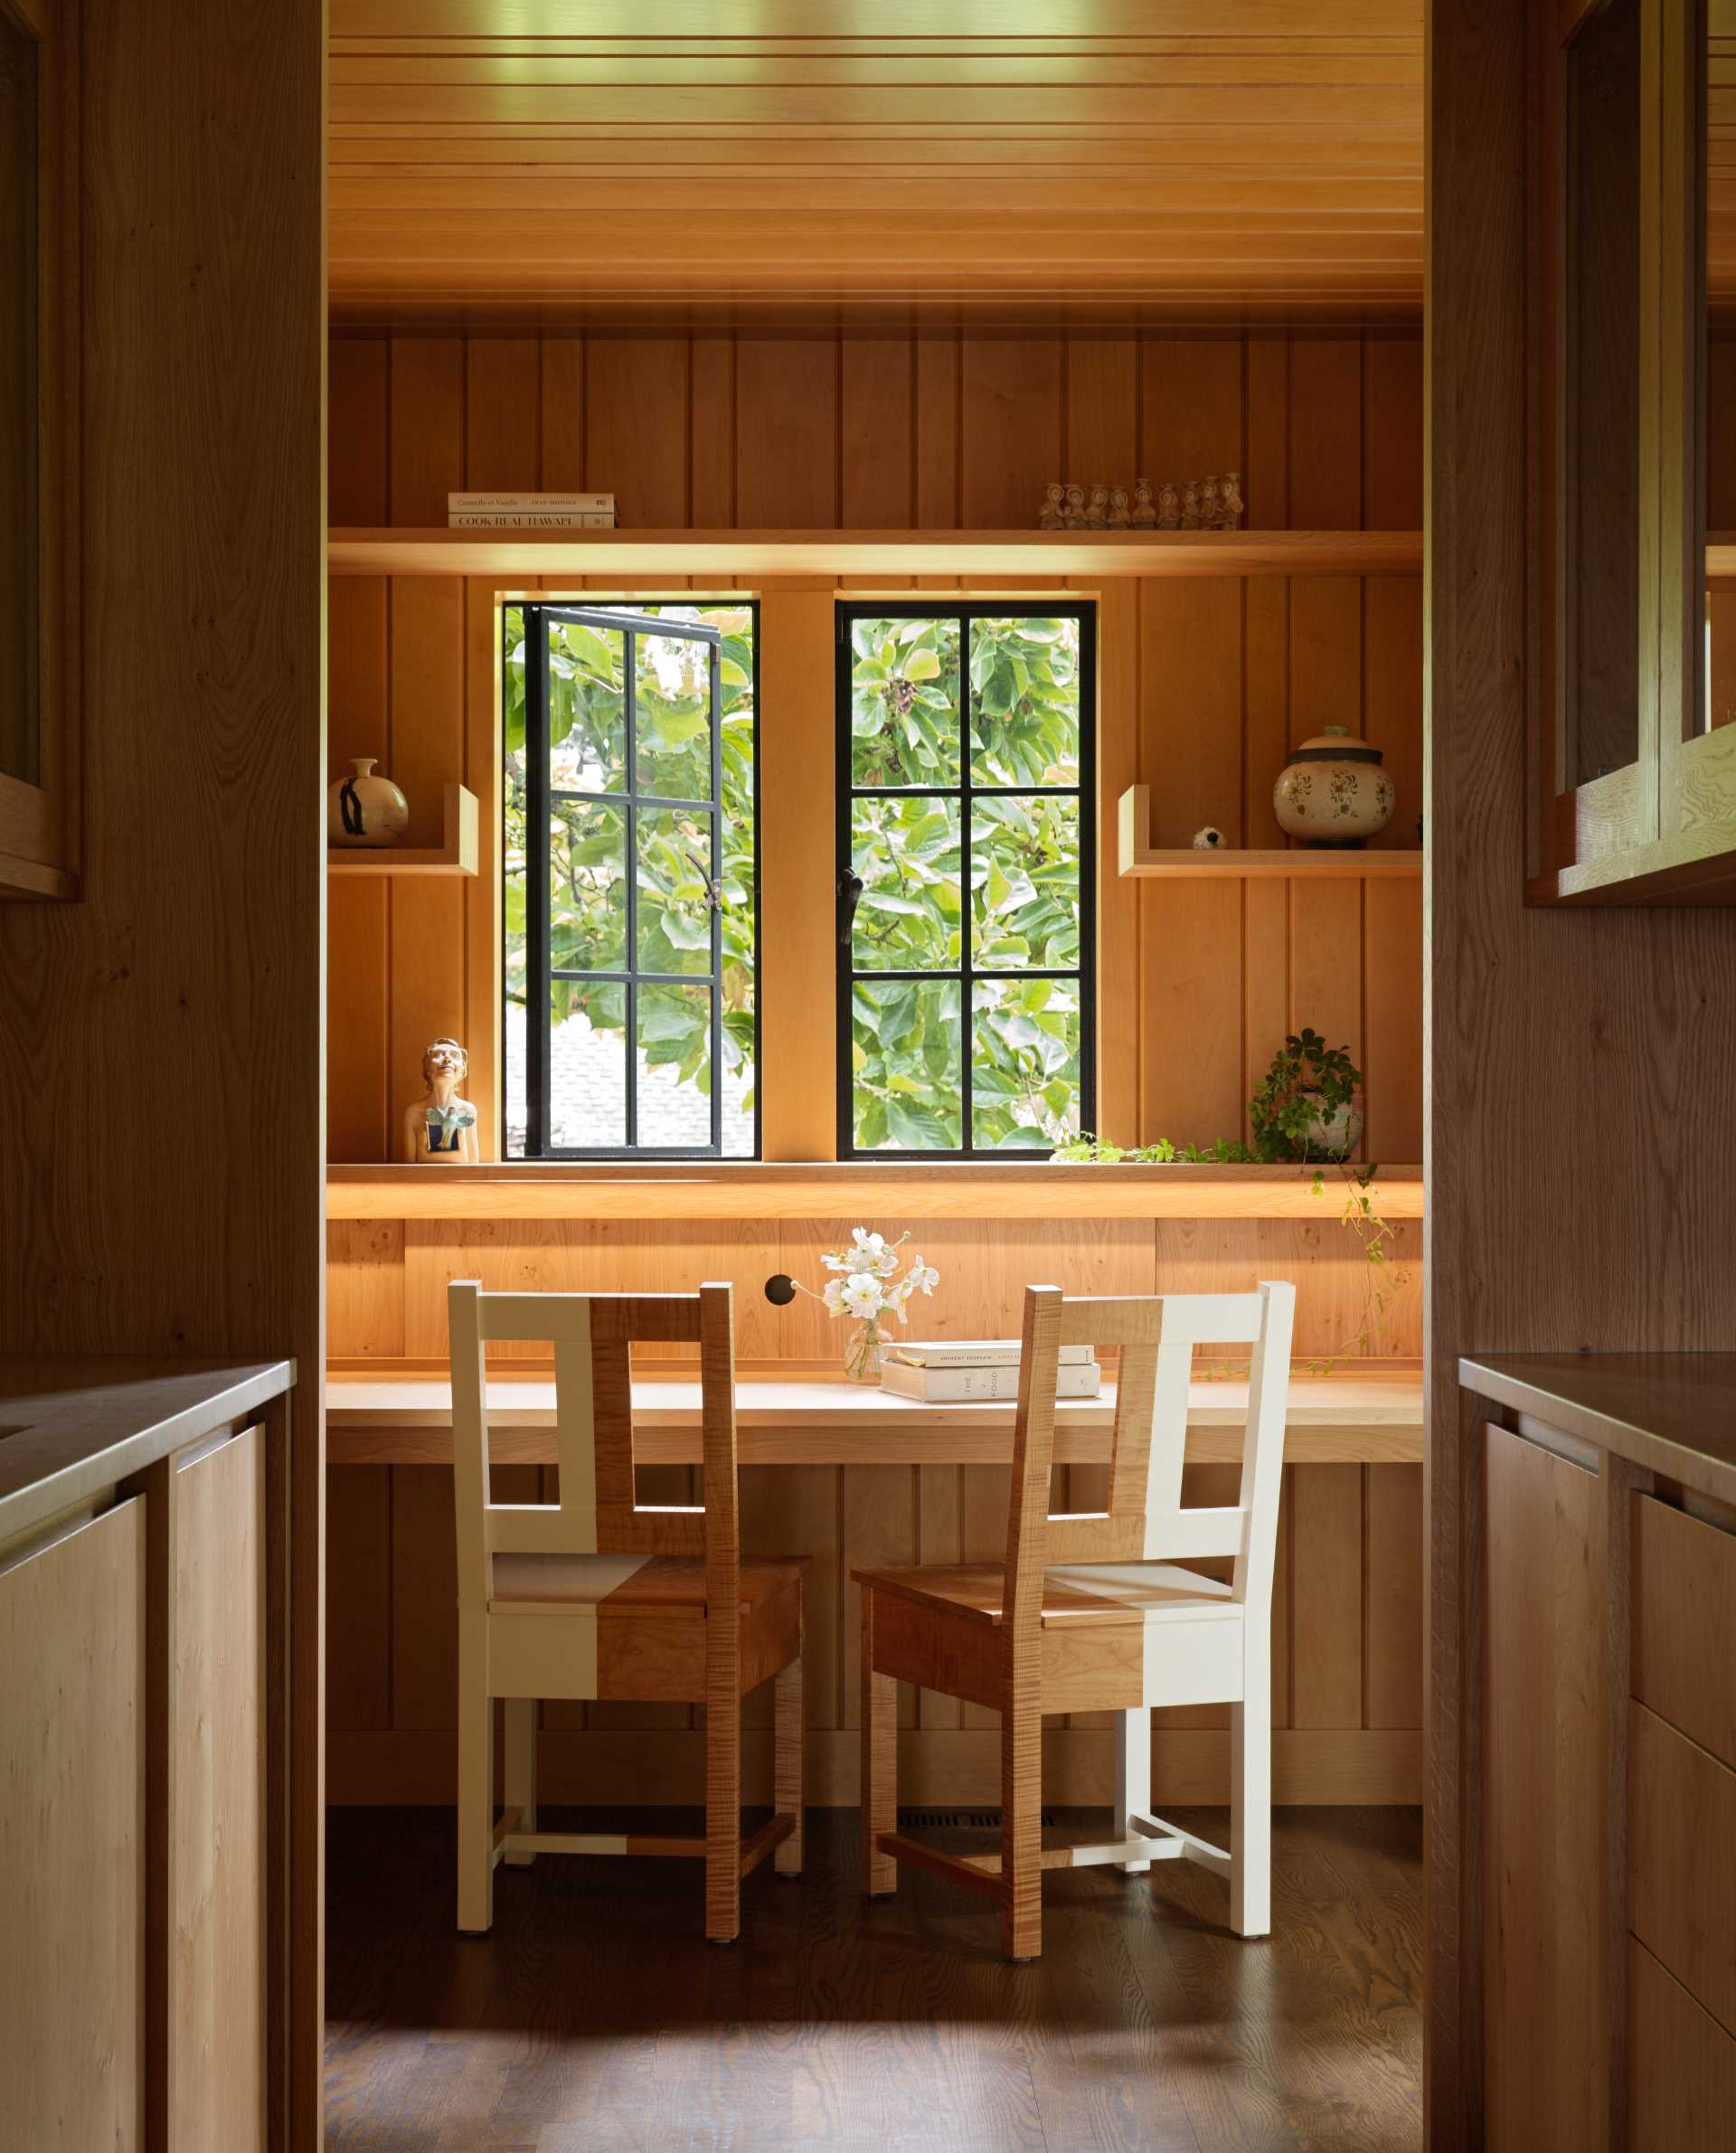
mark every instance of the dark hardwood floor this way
{"type": "Point", "coordinates": [595, 2019]}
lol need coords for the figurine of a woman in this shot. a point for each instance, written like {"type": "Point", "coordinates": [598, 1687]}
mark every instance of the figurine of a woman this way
{"type": "Point", "coordinates": [1118, 508]}
{"type": "Point", "coordinates": [1052, 515]}
{"type": "Point", "coordinates": [1143, 515]}
{"type": "Point", "coordinates": [1096, 513]}
{"type": "Point", "coordinates": [441, 1128]}
{"type": "Point", "coordinates": [1075, 509]}
{"type": "Point", "coordinates": [1169, 510]}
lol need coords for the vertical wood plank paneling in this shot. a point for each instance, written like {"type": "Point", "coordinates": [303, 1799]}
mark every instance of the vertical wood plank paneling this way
{"type": "Point", "coordinates": [1326, 1597]}
{"type": "Point", "coordinates": [938, 1540]}
{"type": "Point", "coordinates": [984, 1494]}
{"type": "Point", "coordinates": [1265, 983]}
{"type": "Point", "coordinates": [1010, 432]}
{"type": "Point", "coordinates": [879, 1533]}
{"type": "Point", "coordinates": [357, 393]}
{"type": "Point", "coordinates": [1190, 687]}
{"type": "Point", "coordinates": [1391, 1063]}
{"type": "Point", "coordinates": [1102, 412]}
{"type": "Point", "coordinates": [1326, 433]}
{"type": "Point", "coordinates": [1326, 963]}
{"type": "Point", "coordinates": [427, 426]}
{"type": "Point", "coordinates": [1190, 403]}
{"type": "Point", "coordinates": [1266, 704]}
{"type": "Point", "coordinates": [635, 428]}
{"type": "Point", "coordinates": [1392, 433]}
{"type": "Point", "coordinates": [939, 366]}
{"type": "Point", "coordinates": [1189, 952]}
{"type": "Point", "coordinates": [787, 433]}
{"type": "Point", "coordinates": [424, 1599]}
{"type": "Point", "coordinates": [878, 437]}
{"type": "Point", "coordinates": [796, 1510]}
{"type": "Point", "coordinates": [365, 1289]}
{"type": "Point", "coordinates": [1395, 1596]}
{"type": "Point", "coordinates": [502, 414]}
{"type": "Point", "coordinates": [1266, 478]}
{"type": "Point", "coordinates": [561, 423]}
{"type": "Point", "coordinates": [1326, 654]}
{"type": "Point", "coordinates": [358, 1597]}
{"type": "Point", "coordinates": [712, 502]}
{"type": "Point", "coordinates": [1120, 1035]}
{"type": "Point", "coordinates": [357, 983]}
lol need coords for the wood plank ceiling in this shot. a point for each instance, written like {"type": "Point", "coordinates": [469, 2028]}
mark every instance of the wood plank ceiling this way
{"type": "Point", "coordinates": [1076, 160]}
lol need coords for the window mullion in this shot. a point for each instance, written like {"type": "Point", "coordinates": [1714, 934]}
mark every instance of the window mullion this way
{"type": "Point", "coordinates": [967, 921]}
{"type": "Point", "coordinates": [539, 862]}
{"type": "Point", "coordinates": [629, 709]}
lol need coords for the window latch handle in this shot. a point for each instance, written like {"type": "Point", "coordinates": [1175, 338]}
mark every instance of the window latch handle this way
{"type": "Point", "coordinates": [849, 898]}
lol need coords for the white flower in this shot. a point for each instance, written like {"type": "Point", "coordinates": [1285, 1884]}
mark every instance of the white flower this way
{"type": "Point", "coordinates": [833, 1297]}
{"type": "Point", "coordinates": [862, 1295]}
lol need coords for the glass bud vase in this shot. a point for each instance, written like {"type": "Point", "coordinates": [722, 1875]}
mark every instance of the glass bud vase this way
{"type": "Point", "coordinates": [865, 1355]}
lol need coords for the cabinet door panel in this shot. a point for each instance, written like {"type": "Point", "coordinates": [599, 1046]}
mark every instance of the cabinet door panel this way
{"type": "Point", "coordinates": [217, 1850]}
{"type": "Point", "coordinates": [1543, 1862]}
{"type": "Point", "coordinates": [73, 1839]}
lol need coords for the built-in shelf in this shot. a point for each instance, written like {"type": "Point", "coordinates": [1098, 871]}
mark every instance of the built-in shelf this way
{"type": "Point", "coordinates": [706, 1189]}
{"type": "Point", "coordinates": [1140, 858]}
{"type": "Point", "coordinates": [533, 556]}
{"type": "Point", "coordinates": [457, 854]}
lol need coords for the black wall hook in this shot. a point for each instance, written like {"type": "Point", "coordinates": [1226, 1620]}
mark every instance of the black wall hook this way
{"type": "Point", "coordinates": [780, 1289]}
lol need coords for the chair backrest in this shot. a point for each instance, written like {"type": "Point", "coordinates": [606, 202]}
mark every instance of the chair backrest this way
{"type": "Point", "coordinates": [1145, 1520]}
{"type": "Point", "coordinates": [595, 1512]}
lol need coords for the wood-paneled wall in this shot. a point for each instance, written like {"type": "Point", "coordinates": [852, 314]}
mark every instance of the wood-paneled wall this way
{"type": "Point", "coordinates": [161, 1130]}
{"type": "Point", "coordinates": [1204, 683]}
{"type": "Point", "coordinates": [1349, 1597]}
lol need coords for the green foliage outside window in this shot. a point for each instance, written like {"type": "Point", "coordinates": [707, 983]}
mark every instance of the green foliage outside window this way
{"type": "Point", "coordinates": [586, 846]}
{"type": "Point", "coordinates": [911, 725]}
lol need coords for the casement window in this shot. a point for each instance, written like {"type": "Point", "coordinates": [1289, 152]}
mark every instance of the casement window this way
{"type": "Point", "coordinates": [965, 842]}
{"type": "Point", "coordinates": [631, 898]}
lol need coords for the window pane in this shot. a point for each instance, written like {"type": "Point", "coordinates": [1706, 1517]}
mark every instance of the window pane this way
{"type": "Point", "coordinates": [1024, 1067]}
{"type": "Point", "coordinates": [1025, 883]}
{"type": "Point", "coordinates": [908, 1080]}
{"type": "Point", "coordinates": [672, 686]}
{"type": "Point", "coordinates": [674, 896]}
{"type": "Point", "coordinates": [675, 1074]}
{"type": "Point", "coordinates": [586, 887]}
{"type": "Point", "coordinates": [587, 708]}
{"type": "Point", "coordinates": [1024, 702]}
{"type": "Point", "coordinates": [905, 723]}
{"type": "Point", "coordinates": [587, 1065]}
{"type": "Point", "coordinates": [907, 852]}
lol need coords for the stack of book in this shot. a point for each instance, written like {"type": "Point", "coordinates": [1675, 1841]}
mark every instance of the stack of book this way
{"type": "Point", "coordinates": [957, 1370]}
{"type": "Point", "coordinates": [530, 512]}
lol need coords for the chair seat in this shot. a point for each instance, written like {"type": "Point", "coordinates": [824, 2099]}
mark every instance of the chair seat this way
{"type": "Point", "coordinates": [628, 1584]}
{"type": "Point", "coordinates": [1107, 1594]}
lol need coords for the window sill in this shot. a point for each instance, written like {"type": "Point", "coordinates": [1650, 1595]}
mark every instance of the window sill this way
{"type": "Point", "coordinates": [711, 1189]}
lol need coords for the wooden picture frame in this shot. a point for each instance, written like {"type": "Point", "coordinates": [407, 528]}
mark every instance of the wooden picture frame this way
{"type": "Point", "coordinates": [39, 818]}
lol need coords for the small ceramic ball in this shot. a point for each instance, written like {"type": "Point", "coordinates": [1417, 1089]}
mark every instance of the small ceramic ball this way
{"type": "Point", "coordinates": [1208, 839]}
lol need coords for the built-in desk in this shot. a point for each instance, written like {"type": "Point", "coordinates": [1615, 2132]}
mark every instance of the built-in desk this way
{"type": "Point", "coordinates": [854, 1477]}
{"type": "Point", "coordinates": [1334, 1419]}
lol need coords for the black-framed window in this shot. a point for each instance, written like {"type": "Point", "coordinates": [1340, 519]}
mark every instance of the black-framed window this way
{"type": "Point", "coordinates": [966, 849]}
{"type": "Point", "coordinates": [630, 879]}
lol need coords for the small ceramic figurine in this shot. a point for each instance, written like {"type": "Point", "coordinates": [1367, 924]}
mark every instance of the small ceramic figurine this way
{"type": "Point", "coordinates": [1208, 503]}
{"type": "Point", "coordinates": [1119, 518]}
{"type": "Point", "coordinates": [1208, 838]}
{"type": "Point", "coordinates": [363, 809]}
{"type": "Point", "coordinates": [441, 1128]}
{"type": "Point", "coordinates": [1229, 501]}
{"type": "Point", "coordinates": [1052, 515]}
{"type": "Point", "coordinates": [1143, 515]}
{"type": "Point", "coordinates": [1191, 505]}
{"type": "Point", "coordinates": [1098, 514]}
{"type": "Point", "coordinates": [1075, 507]}
{"type": "Point", "coordinates": [1169, 510]}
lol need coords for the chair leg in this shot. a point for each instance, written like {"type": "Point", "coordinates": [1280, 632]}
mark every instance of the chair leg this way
{"type": "Point", "coordinates": [1021, 1825]}
{"type": "Point", "coordinates": [789, 1722]}
{"type": "Point", "coordinates": [879, 1763]}
{"type": "Point", "coordinates": [723, 1821]}
{"type": "Point", "coordinates": [476, 1779]}
{"type": "Point", "coordinates": [1250, 1811]}
{"type": "Point", "coordinates": [519, 1765]}
{"type": "Point", "coordinates": [1132, 1776]}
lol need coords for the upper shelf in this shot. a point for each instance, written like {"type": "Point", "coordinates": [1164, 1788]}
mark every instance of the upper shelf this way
{"type": "Point", "coordinates": [457, 854]}
{"type": "Point", "coordinates": [538, 555]}
{"type": "Point", "coordinates": [1140, 858]}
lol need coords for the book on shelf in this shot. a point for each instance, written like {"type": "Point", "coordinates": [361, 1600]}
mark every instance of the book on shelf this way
{"type": "Point", "coordinates": [516, 520]}
{"type": "Point", "coordinates": [972, 1353]}
{"type": "Point", "coordinates": [982, 1385]}
{"type": "Point", "coordinates": [529, 504]}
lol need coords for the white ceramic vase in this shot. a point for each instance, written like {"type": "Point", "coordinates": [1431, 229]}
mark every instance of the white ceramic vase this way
{"type": "Point", "coordinates": [1333, 791]}
{"type": "Point", "coordinates": [363, 809]}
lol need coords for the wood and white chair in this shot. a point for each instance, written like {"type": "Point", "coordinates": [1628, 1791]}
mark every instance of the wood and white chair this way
{"type": "Point", "coordinates": [1098, 1612]}
{"type": "Point", "coordinates": [596, 1596]}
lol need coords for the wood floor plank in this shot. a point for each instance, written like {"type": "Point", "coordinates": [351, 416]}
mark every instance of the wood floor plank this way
{"type": "Point", "coordinates": [595, 2016]}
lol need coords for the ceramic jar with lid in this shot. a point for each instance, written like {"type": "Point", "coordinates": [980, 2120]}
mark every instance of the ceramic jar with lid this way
{"type": "Point", "coordinates": [365, 810]}
{"type": "Point", "coordinates": [1333, 790]}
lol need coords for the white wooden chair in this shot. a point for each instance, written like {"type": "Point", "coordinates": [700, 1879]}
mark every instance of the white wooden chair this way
{"type": "Point", "coordinates": [595, 1596]}
{"type": "Point", "coordinates": [1095, 1612]}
